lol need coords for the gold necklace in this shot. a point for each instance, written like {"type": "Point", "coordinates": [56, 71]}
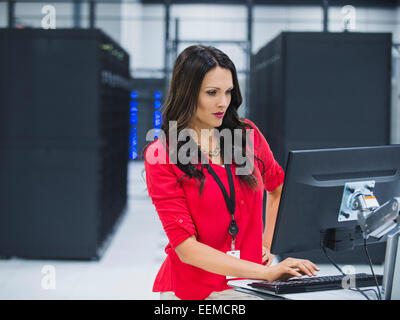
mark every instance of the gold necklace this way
{"type": "Point", "coordinates": [214, 153]}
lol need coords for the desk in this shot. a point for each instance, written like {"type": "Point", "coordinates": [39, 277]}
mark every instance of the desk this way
{"type": "Point", "coordinates": [326, 270]}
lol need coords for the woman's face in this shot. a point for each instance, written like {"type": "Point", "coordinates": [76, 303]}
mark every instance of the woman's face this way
{"type": "Point", "coordinates": [214, 99]}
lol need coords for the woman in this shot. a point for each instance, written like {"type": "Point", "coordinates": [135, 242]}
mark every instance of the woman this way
{"type": "Point", "coordinates": [212, 215]}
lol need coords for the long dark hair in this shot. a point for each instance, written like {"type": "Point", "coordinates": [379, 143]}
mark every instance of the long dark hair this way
{"type": "Point", "coordinates": [189, 70]}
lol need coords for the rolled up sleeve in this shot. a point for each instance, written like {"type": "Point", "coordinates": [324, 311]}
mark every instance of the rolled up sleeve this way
{"type": "Point", "coordinates": [274, 175]}
{"type": "Point", "coordinates": [169, 200]}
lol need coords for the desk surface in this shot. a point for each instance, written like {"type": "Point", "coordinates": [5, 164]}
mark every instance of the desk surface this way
{"type": "Point", "coordinates": [326, 270]}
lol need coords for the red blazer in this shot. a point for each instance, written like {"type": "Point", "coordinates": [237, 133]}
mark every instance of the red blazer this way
{"type": "Point", "coordinates": [183, 213]}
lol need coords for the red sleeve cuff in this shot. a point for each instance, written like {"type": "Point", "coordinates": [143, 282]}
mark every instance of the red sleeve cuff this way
{"type": "Point", "coordinates": [276, 179]}
{"type": "Point", "coordinates": [178, 228]}
{"type": "Point", "coordinates": [179, 232]}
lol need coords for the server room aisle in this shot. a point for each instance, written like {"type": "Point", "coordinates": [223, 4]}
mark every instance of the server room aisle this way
{"type": "Point", "coordinates": [126, 270]}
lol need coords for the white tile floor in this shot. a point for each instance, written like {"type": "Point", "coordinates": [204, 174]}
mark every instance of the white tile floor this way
{"type": "Point", "coordinates": [126, 270]}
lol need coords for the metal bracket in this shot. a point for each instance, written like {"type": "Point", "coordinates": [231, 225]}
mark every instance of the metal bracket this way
{"type": "Point", "coordinates": [349, 207]}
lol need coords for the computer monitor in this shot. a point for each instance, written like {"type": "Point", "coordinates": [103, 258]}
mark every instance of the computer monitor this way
{"type": "Point", "coordinates": [314, 195]}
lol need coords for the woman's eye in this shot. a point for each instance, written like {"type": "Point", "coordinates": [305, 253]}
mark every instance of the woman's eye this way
{"type": "Point", "coordinates": [211, 93]}
{"type": "Point", "coordinates": [229, 92]}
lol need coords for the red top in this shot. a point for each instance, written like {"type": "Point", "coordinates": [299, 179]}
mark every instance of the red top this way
{"type": "Point", "coordinates": [183, 213]}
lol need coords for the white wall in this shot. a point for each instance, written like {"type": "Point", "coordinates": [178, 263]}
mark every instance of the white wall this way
{"type": "Point", "coordinates": [396, 35]}
{"type": "Point", "coordinates": [367, 20]}
{"type": "Point", "coordinates": [142, 35]}
{"type": "Point", "coordinates": [269, 21]}
{"type": "Point", "coordinates": [140, 28]}
{"type": "Point", "coordinates": [213, 22]}
{"type": "Point", "coordinates": [30, 15]}
{"type": "Point", "coordinates": [143, 30]}
{"type": "Point", "coordinates": [152, 40]}
{"type": "Point", "coordinates": [3, 15]}
{"type": "Point", "coordinates": [108, 18]}
{"type": "Point", "coordinates": [131, 32]}
{"type": "Point", "coordinates": [216, 22]}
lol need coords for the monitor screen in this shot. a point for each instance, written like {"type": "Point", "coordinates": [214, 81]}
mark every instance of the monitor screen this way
{"type": "Point", "coordinates": [316, 192]}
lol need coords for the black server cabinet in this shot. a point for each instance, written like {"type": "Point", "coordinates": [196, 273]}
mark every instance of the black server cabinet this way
{"type": "Point", "coordinates": [317, 90]}
{"type": "Point", "coordinates": [313, 90]}
{"type": "Point", "coordinates": [64, 125]}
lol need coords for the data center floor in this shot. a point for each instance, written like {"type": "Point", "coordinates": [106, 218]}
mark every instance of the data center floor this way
{"type": "Point", "coordinates": [126, 270]}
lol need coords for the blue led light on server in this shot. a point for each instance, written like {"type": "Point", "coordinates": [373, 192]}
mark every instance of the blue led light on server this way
{"type": "Point", "coordinates": [133, 122]}
{"type": "Point", "coordinates": [157, 95]}
{"type": "Point", "coordinates": [157, 104]}
{"type": "Point", "coordinates": [157, 120]}
{"type": "Point", "coordinates": [134, 105]}
{"type": "Point", "coordinates": [134, 94]}
{"type": "Point", "coordinates": [133, 137]}
{"type": "Point", "coordinates": [134, 118]}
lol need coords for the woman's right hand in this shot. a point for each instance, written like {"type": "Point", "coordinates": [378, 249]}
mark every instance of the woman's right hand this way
{"type": "Point", "coordinates": [291, 267]}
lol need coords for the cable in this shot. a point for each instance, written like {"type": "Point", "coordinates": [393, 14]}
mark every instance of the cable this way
{"type": "Point", "coordinates": [374, 291]}
{"type": "Point", "coordinates": [341, 271]}
{"type": "Point", "coordinates": [333, 262]}
{"type": "Point", "coordinates": [372, 269]}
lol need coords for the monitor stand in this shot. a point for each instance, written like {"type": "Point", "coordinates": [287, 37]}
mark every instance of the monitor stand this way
{"type": "Point", "coordinates": [391, 271]}
{"type": "Point", "coordinates": [380, 222]}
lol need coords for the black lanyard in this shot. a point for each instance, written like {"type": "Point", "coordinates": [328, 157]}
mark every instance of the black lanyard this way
{"type": "Point", "coordinates": [230, 201]}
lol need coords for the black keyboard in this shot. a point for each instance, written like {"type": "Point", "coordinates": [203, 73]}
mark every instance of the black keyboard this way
{"type": "Point", "coordinates": [295, 285]}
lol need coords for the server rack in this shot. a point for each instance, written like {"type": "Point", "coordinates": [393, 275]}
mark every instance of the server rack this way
{"type": "Point", "coordinates": [149, 91]}
{"type": "Point", "coordinates": [316, 89]}
{"type": "Point", "coordinates": [313, 90]}
{"type": "Point", "coordinates": [64, 124]}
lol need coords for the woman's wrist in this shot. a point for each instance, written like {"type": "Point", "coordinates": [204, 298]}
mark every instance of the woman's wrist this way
{"type": "Point", "coordinates": [266, 274]}
{"type": "Point", "coordinates": [260, 272]}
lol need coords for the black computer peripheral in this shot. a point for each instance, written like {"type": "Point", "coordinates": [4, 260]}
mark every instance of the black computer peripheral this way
{"type": "Point", "coordinates": [296, 285]}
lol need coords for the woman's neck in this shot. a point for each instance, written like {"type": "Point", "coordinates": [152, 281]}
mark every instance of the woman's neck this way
{"type": "Point", "coordinates": [206, 138]}
{"type": "Point", "coordinates": [208, 142]}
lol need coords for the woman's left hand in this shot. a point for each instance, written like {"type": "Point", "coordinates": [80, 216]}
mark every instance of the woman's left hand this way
{"type": "Point", "coordinates": [267, 256]}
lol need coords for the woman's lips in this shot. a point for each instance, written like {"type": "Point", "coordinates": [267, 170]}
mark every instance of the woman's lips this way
{"type": "Point", "coordinates": [219, 114]}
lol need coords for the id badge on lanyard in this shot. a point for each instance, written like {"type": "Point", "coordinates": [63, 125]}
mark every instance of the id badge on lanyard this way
{"type": "Point", "coordinates": [233, 252]}
{"type": "Point", "coordinates": [230, 203]}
